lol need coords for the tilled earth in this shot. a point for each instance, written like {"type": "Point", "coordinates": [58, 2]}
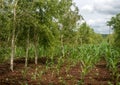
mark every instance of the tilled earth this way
{"type": "Point", "coordinates": [40, 75]}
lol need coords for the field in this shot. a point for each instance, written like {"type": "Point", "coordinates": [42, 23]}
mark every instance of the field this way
{"type": "Point", "coordinates": [51, 42]}
{"type": "Point", "coordinates": [84, 65]}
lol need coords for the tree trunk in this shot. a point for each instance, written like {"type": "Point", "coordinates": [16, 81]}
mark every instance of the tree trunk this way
{"type": "Point", "coordinates": [27, 48]}
{"type": "Point", "coordinates": [36, 55]}
{"type": "Point", "coordinates": [13, 38]}
{"type": "Point", "coordinates": [13, 52]}
{"type": "Point", "coordinates": [36, 52]}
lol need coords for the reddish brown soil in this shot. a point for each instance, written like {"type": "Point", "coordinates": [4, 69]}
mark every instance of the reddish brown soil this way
{"type": "Point", "coordinates": [99, 75]}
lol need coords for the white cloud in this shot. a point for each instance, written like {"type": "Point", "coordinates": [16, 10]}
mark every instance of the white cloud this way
{"type": "Point", "coordinates": [96, 21]}
{"type": "Point", "coordinates": [87, 8]}
{"type": "Point", "coordinates": [97, 12]}
{"type": "Point", "coordinates": [107, 6]}
{"type": "Point", "coordinates": [103, 1]}
{"type": "Point", "coordinates": [91, 22]}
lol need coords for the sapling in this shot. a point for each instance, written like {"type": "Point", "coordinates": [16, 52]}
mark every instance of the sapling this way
{"type": "Point", "coordinates": [24, 72]}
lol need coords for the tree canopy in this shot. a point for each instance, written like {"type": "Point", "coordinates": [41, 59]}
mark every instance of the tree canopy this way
{"type": "Point", "coordinates": [41, 24]}
{"type": "Point", "coordinates": [115, 24]}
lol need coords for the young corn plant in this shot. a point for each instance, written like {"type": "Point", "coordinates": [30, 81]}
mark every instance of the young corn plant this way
{"type": "Point", "coordinates": [113, 58]}
{"type": "Point", "coordinates": [24, 72]}
{"type": "Point", "coordinates": [35, 74]}
{"type": "Point", "coordinates": [88, 55]}
{"type": "Point", "coordinates": [59, 64]}
{"type": "Point", "coordinates": [86, 66]}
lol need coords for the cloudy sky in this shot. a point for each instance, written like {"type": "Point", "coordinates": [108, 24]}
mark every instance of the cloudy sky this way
{"type": "Point", "coordinates": [97, 12]}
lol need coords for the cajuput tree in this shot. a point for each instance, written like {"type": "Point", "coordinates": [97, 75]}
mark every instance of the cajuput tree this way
{"type": "Point", "coordinates": [32, 26]}
{"type": "Point", "coordinates": [67, 20]}
{"type": "Point", "coordinates": [8, 8]}
{"type": "Point", "coordinates": [37, 23]}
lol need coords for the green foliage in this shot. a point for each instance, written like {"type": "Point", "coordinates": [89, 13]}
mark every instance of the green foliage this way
{"type": "Point", "coordinates": [115, 24]}
{"type": "Point", "coordinates": [88, 36]}
{"type": "Point", "coordinates": [110, 39]}
{"type": "Point", "coordinates": [49, 28]}
{"type": "Point", "coordinates": [112, 59]}
{"type": "Point", "coordinates": [4, 54]}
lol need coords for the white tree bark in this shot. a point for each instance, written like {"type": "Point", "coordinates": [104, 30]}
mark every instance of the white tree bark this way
{"type": "Point", "coordinates": [36, 50]}
{"type": "Point", "coordinates": [13, 38]}
{"type": "Point", "coordinates": [27, 49]}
